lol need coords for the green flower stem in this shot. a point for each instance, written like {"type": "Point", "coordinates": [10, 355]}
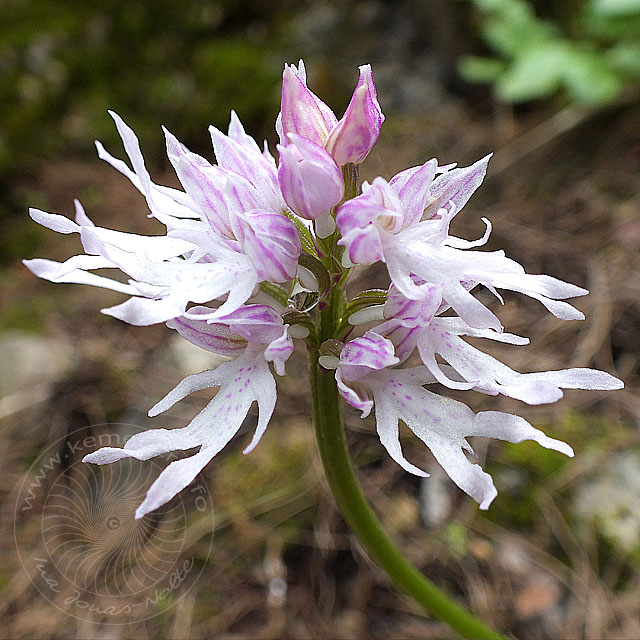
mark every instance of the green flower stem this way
{"type": "Point", "coordinates": [356, 510]}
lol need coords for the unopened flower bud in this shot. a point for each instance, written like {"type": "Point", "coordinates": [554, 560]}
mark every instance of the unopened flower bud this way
{"type": "Point", "coordinates": [358, 130]}
{"type": "Point", "coordinates": [302, 112]}
{"type": "Point", "coordinates": [310, 180]}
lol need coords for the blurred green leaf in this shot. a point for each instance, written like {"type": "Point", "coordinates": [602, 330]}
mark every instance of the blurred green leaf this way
{"type": "Point", "coordinates": [535, 74]}
{"type": "Point", "coordinates": [615, 7]}
{"type": "Point", "coordinates": [63, 63]}
{"type": "Point", "coordinates": [611, 28]}
{"type": "Point", "coordinates": [591, 64]}
{"type": "Point", "coordinates": [484, 70]}
{"type": "Point", "coordinates": [456, 537]}
{"type": "Point", "coordinates": [512, 32]}
{"type": "Point", "coordinates": [625, 56]}
{"type": "Point", "coordinates": [589, 78]}
{"type": "Point", "coordinates": [493, 5]}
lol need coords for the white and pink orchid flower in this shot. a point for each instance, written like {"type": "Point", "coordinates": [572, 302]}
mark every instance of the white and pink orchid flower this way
{"type": "Point", "coordinates": [227, 244]}
{"type": "Point", "coordinates": [383, 225]}
{"type": "Point", "coordinates": [413, 324]}
{"type": "Point", "coordinates": [253, 336]}
{"type": "Point", "coordinates": [367, 378]}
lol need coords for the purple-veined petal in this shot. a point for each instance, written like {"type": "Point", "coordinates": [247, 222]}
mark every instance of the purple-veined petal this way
{"type": "Point", "coordinates": [359, 129]}
{"type": "Point", "coordinates": [370, 352]}
{"type": "Point", "coordinates": [239, 153]}
{"type": "Point", "coordinates": [413, 312]}
{"type": "Point", "coordinates": [362, 221]}
{"type": "Point", "coordinates": [412, 186]}
{"type": "Point", "coordinates": [279, 350]}
{"type": "Point", "coordinates": [362, 243]}
{"type": "Point", "coordinates": [255, 323]}
{"type": "Point", "coordinates": [214, 337]}
{"type": "Point", "coordinates": [431, 265]}
{"type": "Point", "coordinates": [373, 221]}
{"type": "Point", "coordinates": [457, 186]}
{"type": "Point", "coordinates": [358, 396]}
{"type": "Point", "coordinates": [236, 132]}
{"type": "Point", "coordinates": [392, 217]}
{"type": "Point", "coordinates": [450, 267]}
{"type": "Point", "coordinates": [204, 183]}
{"type": "Point", "coordinates": [490, 375]}
{"type": "Point", "coordinates": [404, 318]}
{"type": "Point", "coordinates": [479, 369]}
{"type": "Point", "coordinates": [242, 382]}
{"type": "Point", "coordinates": [272, 243]}
{"type": "Point", "coordinates": [403, 337]}
{"type": "Point", "coordinates": [301, 111]}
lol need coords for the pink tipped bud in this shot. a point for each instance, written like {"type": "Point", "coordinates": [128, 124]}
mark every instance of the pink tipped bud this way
{"type": "Point", "coordinates": [358, 130]}
{"type": "Point", "coordinates": [302, 112]}
{"type": "Point", "coordinates": [310, 180]}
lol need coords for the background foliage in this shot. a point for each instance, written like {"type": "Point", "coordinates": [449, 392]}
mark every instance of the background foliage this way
{"type": "Point", "coordinates": [589, 49]}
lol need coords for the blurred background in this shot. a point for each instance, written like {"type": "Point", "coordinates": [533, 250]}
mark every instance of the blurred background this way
{"type": "Point", "coordinates": [550, 86]}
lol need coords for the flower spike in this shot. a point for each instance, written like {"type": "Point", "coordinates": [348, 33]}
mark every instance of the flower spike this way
{"type": "Point", "coordinates": [257, 253]}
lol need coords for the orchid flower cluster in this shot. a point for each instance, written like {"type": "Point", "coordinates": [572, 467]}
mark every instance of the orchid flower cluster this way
{"type": "Point", "coordinates": [255, 250]}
